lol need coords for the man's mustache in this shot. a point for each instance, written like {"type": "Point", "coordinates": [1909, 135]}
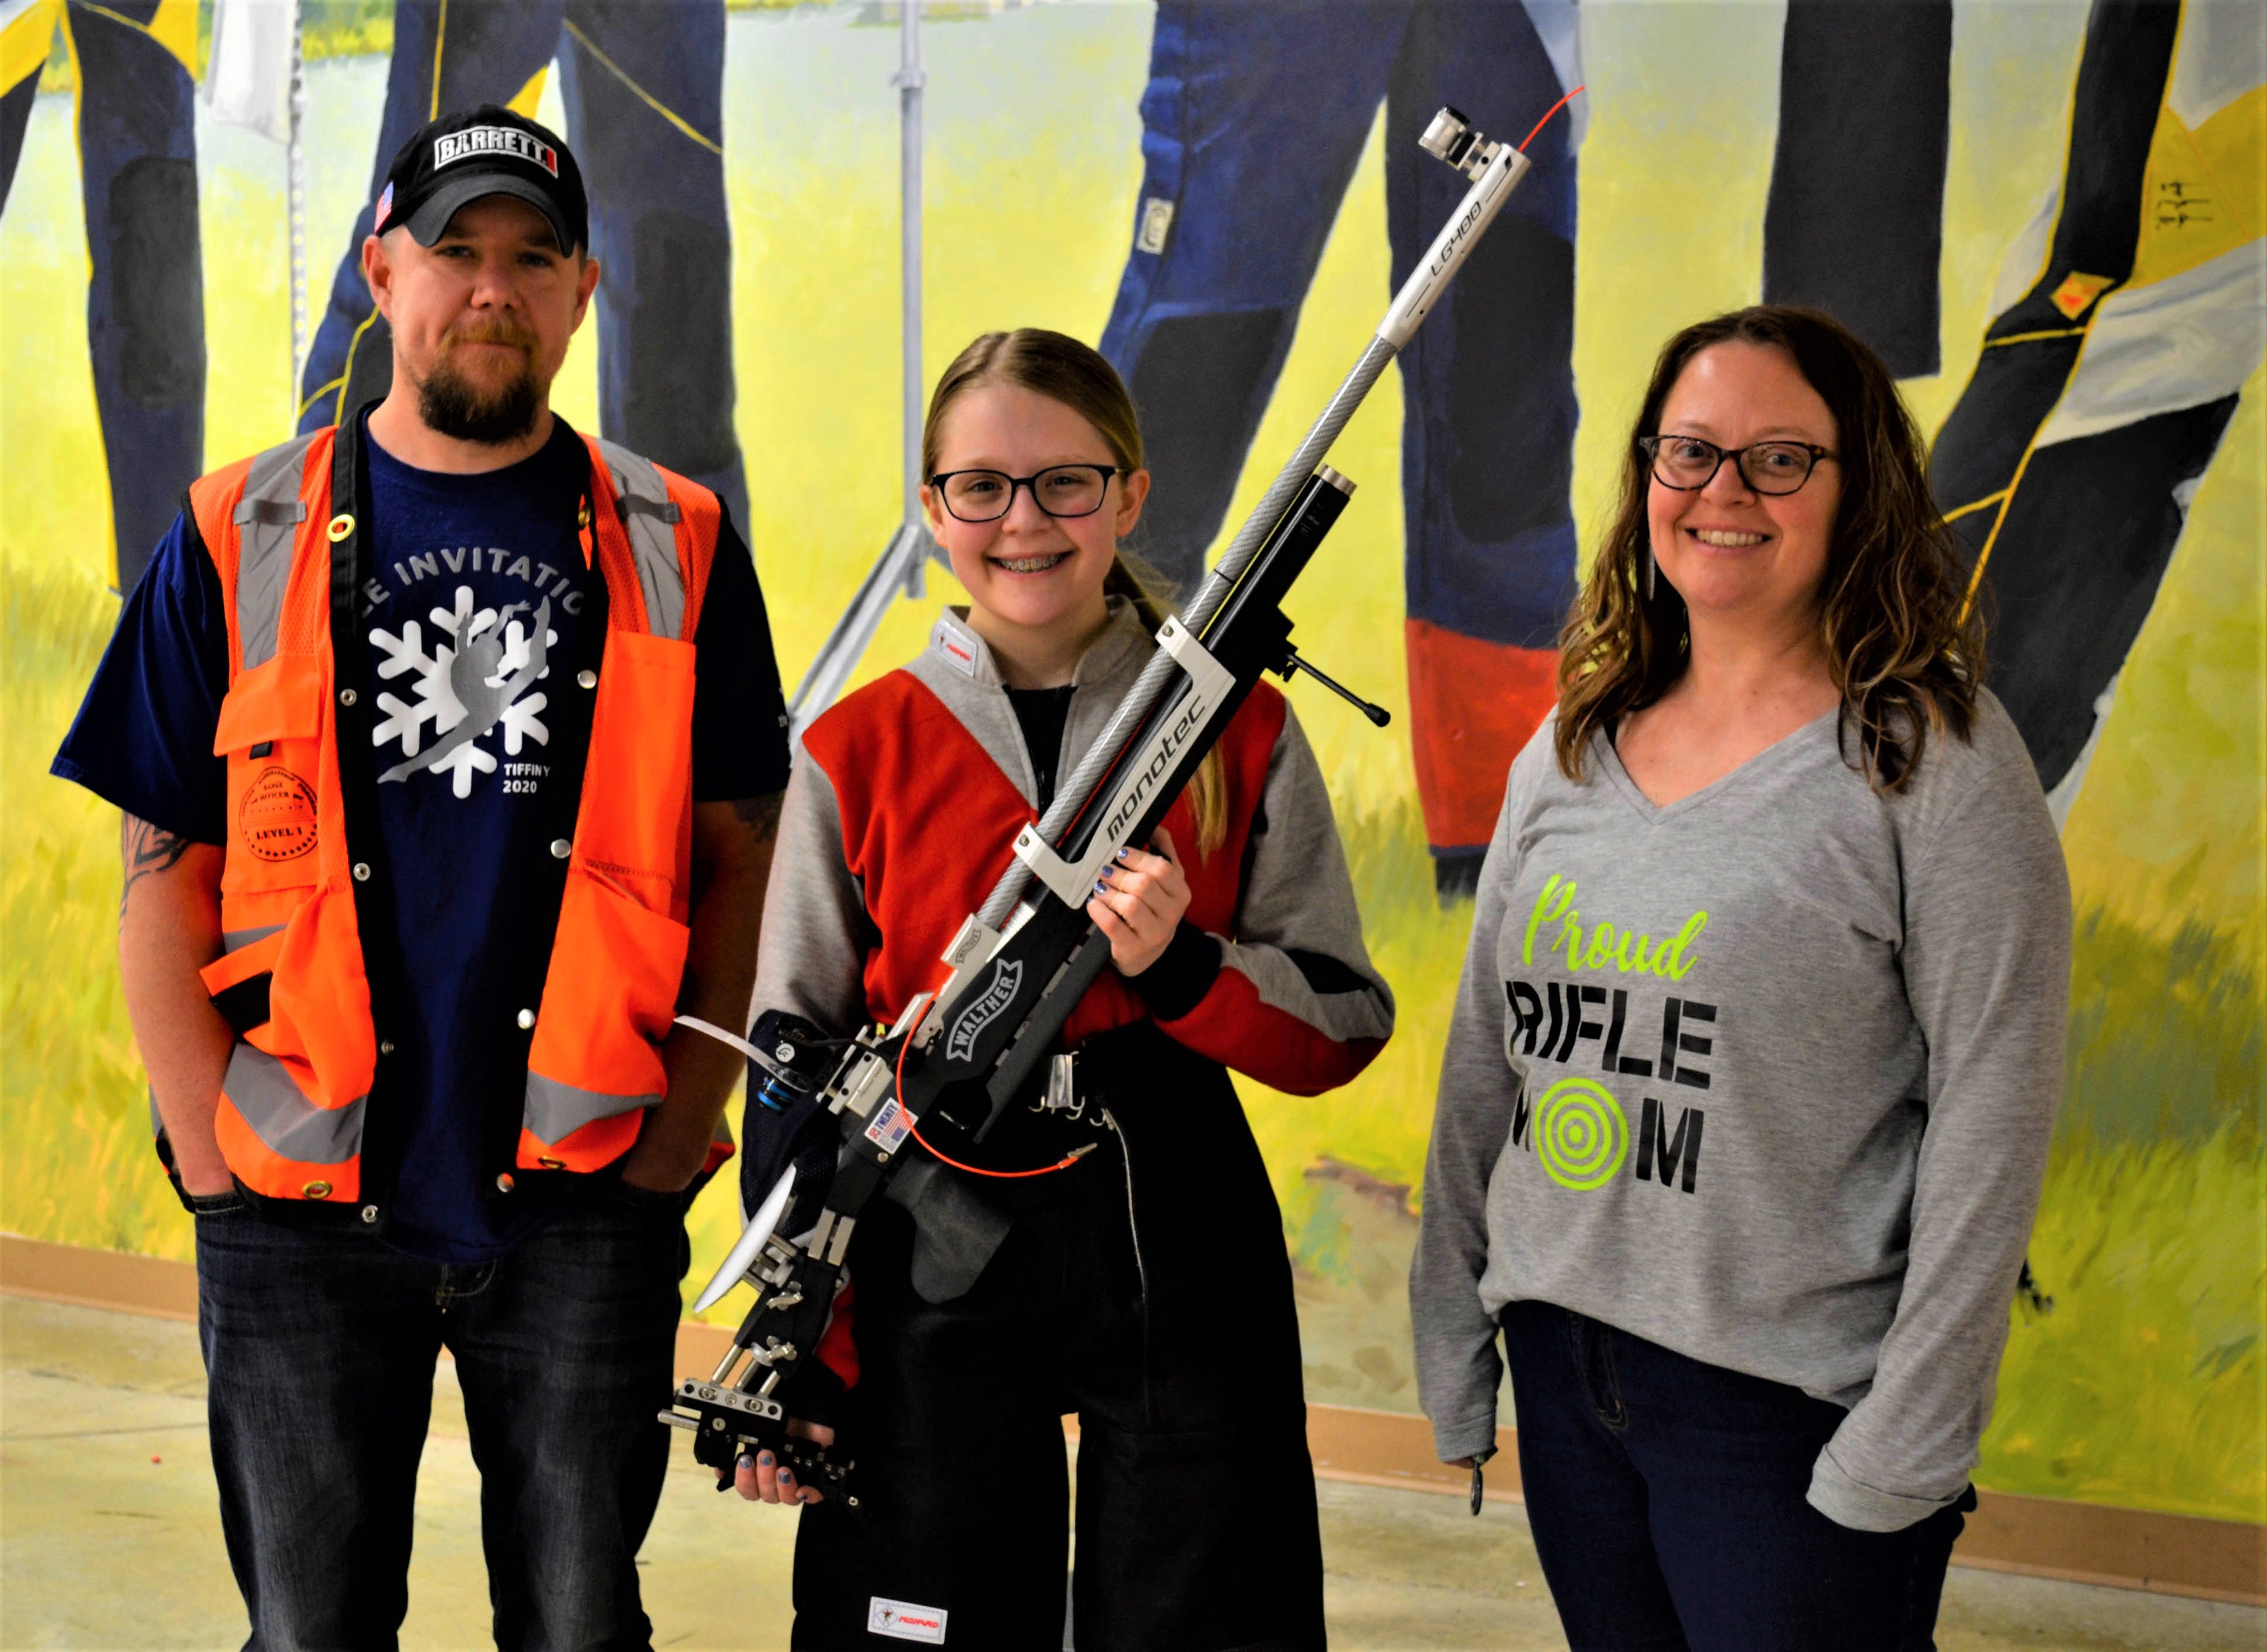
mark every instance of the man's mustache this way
{"type": "Point", "coordinates": [505, 332]}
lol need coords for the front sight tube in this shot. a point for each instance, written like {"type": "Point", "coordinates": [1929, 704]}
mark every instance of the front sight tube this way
{"type": "Point", "coordinates": [1495, 169]}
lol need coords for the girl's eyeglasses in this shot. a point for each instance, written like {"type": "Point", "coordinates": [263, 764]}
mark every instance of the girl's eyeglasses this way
{"type": "Point", "coordinates": [1060, 490]}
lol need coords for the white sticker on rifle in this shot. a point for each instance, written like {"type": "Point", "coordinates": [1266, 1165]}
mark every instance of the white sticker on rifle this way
{"type": "Point", "coordinates": [903, 1620]}
{"type": "Point", "coordinates": [890, 1127]}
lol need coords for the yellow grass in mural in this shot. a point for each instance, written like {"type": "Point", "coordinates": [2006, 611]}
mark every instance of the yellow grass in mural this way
{"type": "Point", "coordinates": [2143, 1385]}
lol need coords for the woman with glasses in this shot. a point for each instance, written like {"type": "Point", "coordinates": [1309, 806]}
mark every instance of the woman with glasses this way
{"type": "Point", "coordinates": [1111, 1247]}
{"type": "Point", "coordinates": [1746, 1101]}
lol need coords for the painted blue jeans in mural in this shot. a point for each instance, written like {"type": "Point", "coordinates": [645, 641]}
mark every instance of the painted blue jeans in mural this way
{"type": "Point", "coordinates": [644, 85]}
{"type": "Point", "coordinates": [1667, 1500]}
{"type": "Point", "coordinates": [136, 126]}
{"type": "Point", "coordinates": [1254, 119]}
{"type": "Point", "coordinates": [320, 1347]}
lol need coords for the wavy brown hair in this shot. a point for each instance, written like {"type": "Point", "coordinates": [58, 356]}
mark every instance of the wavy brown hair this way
{"type": "Point", "coordinates": [1060, 368]}
{"type": "Point", "coordinates": [1902, 643]}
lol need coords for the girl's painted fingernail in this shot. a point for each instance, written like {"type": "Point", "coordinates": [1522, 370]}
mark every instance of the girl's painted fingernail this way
{"type": "Point", "coordinates": [787, 1477]}
{"type": "Point", "coordinates": [745, 1461]}
{"type": "Point", "coordinates": [766, 1459]}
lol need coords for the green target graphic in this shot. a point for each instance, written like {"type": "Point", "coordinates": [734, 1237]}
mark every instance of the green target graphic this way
{"type": "Point", "coordinates": [1580, 1133]}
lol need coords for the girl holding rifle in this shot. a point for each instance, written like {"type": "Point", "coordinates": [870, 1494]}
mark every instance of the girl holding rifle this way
{"type": "Point", "coordinates": [1120, 1255]}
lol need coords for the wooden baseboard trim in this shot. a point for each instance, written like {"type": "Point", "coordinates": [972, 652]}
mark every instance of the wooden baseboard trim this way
{"type": "Point", "coordinates": [2041, 1537]}
{"type": "Point", "coordinates": [85, 1278]}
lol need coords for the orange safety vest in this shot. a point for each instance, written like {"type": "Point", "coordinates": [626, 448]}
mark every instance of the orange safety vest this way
{"type": "Point", "coordinates": [291, 979]}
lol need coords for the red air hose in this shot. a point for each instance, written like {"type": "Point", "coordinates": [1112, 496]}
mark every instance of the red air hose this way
{"type": "Point", "coordinates": [1064, 1163]}
{"type": "Point", "coordinates": [1546, 120]}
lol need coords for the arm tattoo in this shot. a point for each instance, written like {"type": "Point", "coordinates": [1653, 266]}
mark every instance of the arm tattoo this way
{"type": "Point", "coordinates": [148, 848]}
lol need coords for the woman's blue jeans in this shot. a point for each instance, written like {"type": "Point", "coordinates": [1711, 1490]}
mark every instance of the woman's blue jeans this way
{"type": "Point", "coordinates": [320, 1347]}
{"type": "Point", "coordinates": [1667, 1500]}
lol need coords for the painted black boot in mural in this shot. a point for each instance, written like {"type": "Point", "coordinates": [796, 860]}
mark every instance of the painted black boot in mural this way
{"type": "Point", "coordinates": [2127, 323]}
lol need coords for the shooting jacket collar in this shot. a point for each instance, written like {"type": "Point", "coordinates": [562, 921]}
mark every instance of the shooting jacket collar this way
{"type": "Point", "coordinates": [960, 671]}
{"type": "Point", "coordinates": [953, 642]}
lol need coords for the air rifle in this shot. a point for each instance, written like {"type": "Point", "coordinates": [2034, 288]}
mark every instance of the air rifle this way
{"type": "Point", "coordinates": [958, 1055]}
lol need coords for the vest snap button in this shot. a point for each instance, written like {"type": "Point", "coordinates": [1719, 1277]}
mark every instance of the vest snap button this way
{"type": "Point", "coordinates": [385, 1046]}
{"type": "Point", "coordinates": [317, 1190]}
{"type": "Point", "coordinates": [526, 1019]}
{"type": "Point", "coordinates": [362, 871]}
{"type": "Point", "coordinates": [560, 848]}
{"type": "Point", "coordinates": [370, 1213]}
{"type": "Point", "coordinates": [587, 677]}
{"type": "Point", "coordinates": [346, 697]}
{"type": "Point", "coordinates": [505, 1182]}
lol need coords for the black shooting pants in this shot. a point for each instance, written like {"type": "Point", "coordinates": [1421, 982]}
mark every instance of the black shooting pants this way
{"type": "Point", "coordinates": [1147, 1289]}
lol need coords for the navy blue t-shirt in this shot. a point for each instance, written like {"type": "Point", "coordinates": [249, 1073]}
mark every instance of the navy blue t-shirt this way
{"type": "Point", "coordinates": [479, 614]}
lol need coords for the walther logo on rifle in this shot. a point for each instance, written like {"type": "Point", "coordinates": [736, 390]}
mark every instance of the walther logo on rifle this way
{"type": "Point", "coordinates": [984, 1009]}
{"type": "Point", "coordinates": [1195, 714]}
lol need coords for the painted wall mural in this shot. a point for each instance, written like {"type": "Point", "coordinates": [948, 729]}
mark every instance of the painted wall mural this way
{"type": "Point", "coordinates": [2047, 217]}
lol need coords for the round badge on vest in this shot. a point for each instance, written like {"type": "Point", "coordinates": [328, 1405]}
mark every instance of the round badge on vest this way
{"type": "Point", "coordinates": [277, 817]}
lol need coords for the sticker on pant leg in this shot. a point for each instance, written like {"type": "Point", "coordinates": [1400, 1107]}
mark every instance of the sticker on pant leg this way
{"type": "Point", "coordinates": [905, 1621]}
{"type": "Point", "coordinates": [1156, 223]}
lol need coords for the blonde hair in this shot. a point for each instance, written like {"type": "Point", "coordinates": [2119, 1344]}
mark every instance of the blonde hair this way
{"type": "Point", "coordinates": [1061, 368]}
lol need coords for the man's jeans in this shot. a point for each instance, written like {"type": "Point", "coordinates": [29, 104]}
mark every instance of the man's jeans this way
{"type": "Point", "coordinates": [1667, 1500]}
{"type": "Point", "coordinates": [320, 1347]}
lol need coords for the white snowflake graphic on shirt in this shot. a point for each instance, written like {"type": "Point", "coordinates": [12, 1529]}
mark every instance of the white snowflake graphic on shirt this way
{"type": "Point", "coordinates": [476, 681]}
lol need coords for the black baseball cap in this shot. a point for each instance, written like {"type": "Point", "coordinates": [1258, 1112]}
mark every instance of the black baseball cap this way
{"type": "Point", "coordinates": [489, 150]}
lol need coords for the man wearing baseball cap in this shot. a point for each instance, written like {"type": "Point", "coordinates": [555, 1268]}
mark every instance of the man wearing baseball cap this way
{"type": "Point", "coordinates": [449, 744]}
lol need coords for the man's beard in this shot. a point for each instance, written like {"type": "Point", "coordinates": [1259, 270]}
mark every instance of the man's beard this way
{"type": "Point", "coordinates": [451, 404]}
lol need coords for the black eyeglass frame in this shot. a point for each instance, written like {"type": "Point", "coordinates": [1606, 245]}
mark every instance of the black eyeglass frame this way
{"type": "Point", "coordinates": [1029, 483]}
{"type": "Point", "coordinates": [1651, 445]}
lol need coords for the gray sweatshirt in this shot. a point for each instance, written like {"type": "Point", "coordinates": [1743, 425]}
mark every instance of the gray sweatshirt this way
{"type": "Point", "coordinates": [1765, 1076]}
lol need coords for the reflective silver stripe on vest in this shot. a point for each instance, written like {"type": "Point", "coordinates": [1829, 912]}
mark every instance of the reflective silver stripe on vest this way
{"type": "Point", "coordinates": [267, 525]}
{"type": "Point", "coordinates": [555, 1111]}
{"type": "Point", "coordinates": [237, 940]}
{"type": "Point", "coordinates": [281, 1115]}
{"type": "Point", "coordinates": [649, 516]}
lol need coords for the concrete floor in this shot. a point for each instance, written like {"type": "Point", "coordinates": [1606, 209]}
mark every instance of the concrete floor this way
{"type": "Point", "coordinates": [110, 1537]}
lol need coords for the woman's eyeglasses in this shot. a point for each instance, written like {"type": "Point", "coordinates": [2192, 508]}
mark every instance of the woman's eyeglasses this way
{"type": "Point", "coordinates": [1688, 464]}
{"type": "Point", "coordinates": [1060, 490]}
